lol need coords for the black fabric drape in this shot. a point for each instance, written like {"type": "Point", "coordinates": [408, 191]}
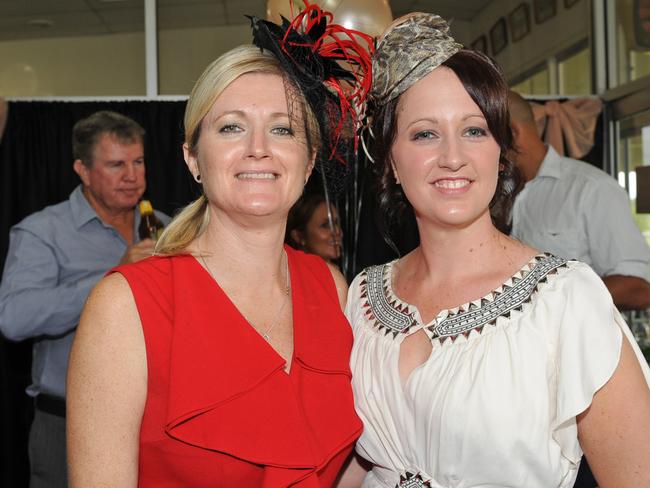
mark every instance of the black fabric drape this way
{"type": "Point", "coordinates": [36, 171]}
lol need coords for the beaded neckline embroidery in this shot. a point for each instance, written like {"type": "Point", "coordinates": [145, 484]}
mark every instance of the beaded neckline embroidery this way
{"type": "Point", "coordinates": [392, 316]}
{"type": "Point", "coordinates": [410, 480]}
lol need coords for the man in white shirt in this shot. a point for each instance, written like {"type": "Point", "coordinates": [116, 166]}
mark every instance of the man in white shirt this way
{"type": "Point", "coordinates": [576, 211]}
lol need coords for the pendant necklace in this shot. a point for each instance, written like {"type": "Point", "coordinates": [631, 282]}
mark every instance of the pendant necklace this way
{"type": "Point", "coordinates": [287, 290]}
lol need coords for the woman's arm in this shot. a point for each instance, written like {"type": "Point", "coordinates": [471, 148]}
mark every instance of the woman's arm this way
{"type": "Point", "coordinates": [341, 284]}
{"type": "Point", "coordinates": [614, 432]}
{"type": "Point", "coordinates": [355, 468]}
{"type": "Point", "coordinates": [106, 389]}
{"type": "Point", "coordinates": [353, 473]}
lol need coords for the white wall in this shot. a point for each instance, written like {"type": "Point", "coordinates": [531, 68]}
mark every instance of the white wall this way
{"type": "Point", "coordinates": [461, 30]}
{"type": "Point", "coordinates": [111, 64]}
{"type": "Point", "coordinates": [185, 53]}
{"type": "Point", "coordinates": [568, 27]}
{"type": "Point", "coordinates": [70, 66]}
{"type": "Point", "coordinates": [114, 64]}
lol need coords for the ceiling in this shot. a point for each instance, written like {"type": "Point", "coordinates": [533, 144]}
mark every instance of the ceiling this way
{"type": "Point", "coordinates": [27, 19]}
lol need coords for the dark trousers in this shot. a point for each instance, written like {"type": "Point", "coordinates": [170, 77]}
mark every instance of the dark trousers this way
{"type": "Point", "coordinates": [585, 478]}
{"type": "Point", "coordinates": [47, 450]}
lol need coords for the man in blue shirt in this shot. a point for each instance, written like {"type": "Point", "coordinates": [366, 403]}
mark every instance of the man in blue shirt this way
{"type": "Point", "coordinates": [57, 255]}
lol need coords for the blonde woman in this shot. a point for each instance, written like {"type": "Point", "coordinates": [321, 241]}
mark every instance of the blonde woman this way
{"type": "Point", "coordinates": [223, 360]}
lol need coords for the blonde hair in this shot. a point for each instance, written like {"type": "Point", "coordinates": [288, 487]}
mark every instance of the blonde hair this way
{"type": "Point", "coordinates": [190, 222]}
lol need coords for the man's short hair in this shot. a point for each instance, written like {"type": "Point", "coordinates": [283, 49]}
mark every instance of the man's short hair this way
{"type": "Point", "coordinates": [87, 132]}
{"type": "Point", "coordinates": [520, 109]}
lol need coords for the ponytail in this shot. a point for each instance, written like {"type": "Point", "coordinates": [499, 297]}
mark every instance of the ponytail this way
{"type": "Point", "coordinates": [184, 228]}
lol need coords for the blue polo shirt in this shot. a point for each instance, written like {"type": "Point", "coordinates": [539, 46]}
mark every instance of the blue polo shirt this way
{"type": "Point", "coordinates": [55, 258]}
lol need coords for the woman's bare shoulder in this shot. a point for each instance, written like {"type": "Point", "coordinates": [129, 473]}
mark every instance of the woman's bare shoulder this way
{"type": "Point", "coordinates": [340, 282]}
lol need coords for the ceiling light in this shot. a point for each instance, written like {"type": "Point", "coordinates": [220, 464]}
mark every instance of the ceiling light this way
{"type": "Point", "coordinates": [40, 23]}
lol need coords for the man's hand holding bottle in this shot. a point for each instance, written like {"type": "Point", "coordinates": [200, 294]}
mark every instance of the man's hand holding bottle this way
{"type": "Point", "coordinates": [149, 230]}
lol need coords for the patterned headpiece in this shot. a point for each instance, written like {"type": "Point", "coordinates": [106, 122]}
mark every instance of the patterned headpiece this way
{"type": "Point", "coordinates": [411, 48]}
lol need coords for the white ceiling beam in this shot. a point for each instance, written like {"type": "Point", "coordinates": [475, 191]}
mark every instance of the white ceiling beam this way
{"type": "Point", "coordinates": [151, 47]}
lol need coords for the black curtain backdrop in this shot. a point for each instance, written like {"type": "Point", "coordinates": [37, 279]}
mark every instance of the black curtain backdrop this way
{"type": "Point", "coordinates": [36, 171]}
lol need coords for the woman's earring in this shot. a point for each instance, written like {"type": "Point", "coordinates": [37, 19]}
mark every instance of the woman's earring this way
{"type": "Point", "coordinates": [197, 177]}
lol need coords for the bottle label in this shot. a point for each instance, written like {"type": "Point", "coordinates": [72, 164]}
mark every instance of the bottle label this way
{"type": "Point", "coordinates": [146, 207]}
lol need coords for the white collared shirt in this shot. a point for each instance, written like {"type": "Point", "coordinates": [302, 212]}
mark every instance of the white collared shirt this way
{"type": "Point", "coordinates": [577, 211]}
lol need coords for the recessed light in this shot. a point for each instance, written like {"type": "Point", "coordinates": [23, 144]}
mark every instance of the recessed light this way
{"type": "Point", "coordinates": [40, 23]}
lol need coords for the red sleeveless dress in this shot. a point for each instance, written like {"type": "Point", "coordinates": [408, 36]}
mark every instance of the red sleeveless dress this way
{"type": "Point", "coordinates": [220, 410]}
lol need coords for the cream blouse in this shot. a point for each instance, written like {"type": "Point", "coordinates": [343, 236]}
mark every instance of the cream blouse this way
{"type": "Point", "coordinates": [495, 404]}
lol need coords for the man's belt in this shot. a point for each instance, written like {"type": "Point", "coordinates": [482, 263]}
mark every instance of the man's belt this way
{"type": "Point", "coordinates": [50, 404]}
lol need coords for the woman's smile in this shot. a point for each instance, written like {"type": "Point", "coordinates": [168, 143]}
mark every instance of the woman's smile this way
{"type": "Point", "coordinates": [257, 176]}
{"type": "Point", "coordinates": [452, 186]}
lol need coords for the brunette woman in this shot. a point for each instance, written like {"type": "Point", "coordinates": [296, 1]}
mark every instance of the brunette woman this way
{"type": "Point", "coordinates": [477, 360]}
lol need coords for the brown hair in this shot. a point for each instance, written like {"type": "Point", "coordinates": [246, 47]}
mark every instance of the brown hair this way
{"type": "Point", "coordinates": [300, 214]}
{"type": "Point", "coordinates": [485, 84]}
{"type": "Point", "coordinates": [86, 133]}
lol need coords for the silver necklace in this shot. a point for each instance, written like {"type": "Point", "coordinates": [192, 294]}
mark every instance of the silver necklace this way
{"type": "Point", "coordinates": [287, 290]}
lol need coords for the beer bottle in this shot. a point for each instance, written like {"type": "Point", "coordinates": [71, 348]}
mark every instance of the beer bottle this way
{"type": "Point", "coordinates": [150, 226]}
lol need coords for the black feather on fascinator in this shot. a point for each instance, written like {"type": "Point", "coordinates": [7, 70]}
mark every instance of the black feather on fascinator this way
{"type": "Point", "coordinates": [311, 51]}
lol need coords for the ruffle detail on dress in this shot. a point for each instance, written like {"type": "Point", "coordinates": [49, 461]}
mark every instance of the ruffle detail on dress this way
{"type": "Point", "coordinates": [318, 338]}
{"type": "Point", "coordinates": [222, 369]}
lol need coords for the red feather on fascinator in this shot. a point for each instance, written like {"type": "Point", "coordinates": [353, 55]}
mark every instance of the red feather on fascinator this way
{"type": "Point", "coordinates": [329, 63]}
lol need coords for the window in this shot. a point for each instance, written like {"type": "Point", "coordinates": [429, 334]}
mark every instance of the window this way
{"type": "Point", "coordinates": [632, 40]}
{"type": "Point", "coordinates": [534, 84]}
{"type": "Point", "coordinates": [569, 73]}
{"type": "Point", "coordinates": [634, 151]}
{"type": "Point", "coordinates": [574, 72]}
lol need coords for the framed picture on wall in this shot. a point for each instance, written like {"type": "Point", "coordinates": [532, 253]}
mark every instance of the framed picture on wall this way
{"type": "Point", "coordinates": [499, 36]}
{"type": "Point", "coordinates": [519, 20]}
{"type": "Point", "coordinates": [641, 18]}
{"type": "Point", "coordinates": [570, 3]}
{"type": "Point", "coordinates": [544, 10]}
{"type": "Point", "coordinates": [480, 44]}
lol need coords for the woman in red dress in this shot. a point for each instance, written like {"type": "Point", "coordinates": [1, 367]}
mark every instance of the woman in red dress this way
{"type": "Point", "coordinates": [223, 360]}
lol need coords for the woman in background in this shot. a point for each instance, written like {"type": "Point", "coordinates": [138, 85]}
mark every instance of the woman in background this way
{"type": "Point", "coordinates": [224, 360]}
{"type": "Point", "coordinates": [312, 228]}
{"type": "Point", "coordinates": [478, 361]}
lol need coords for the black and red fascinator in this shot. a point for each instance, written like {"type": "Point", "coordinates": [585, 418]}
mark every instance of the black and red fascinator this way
{"type": "Point", "coordinates": [331, 66]}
